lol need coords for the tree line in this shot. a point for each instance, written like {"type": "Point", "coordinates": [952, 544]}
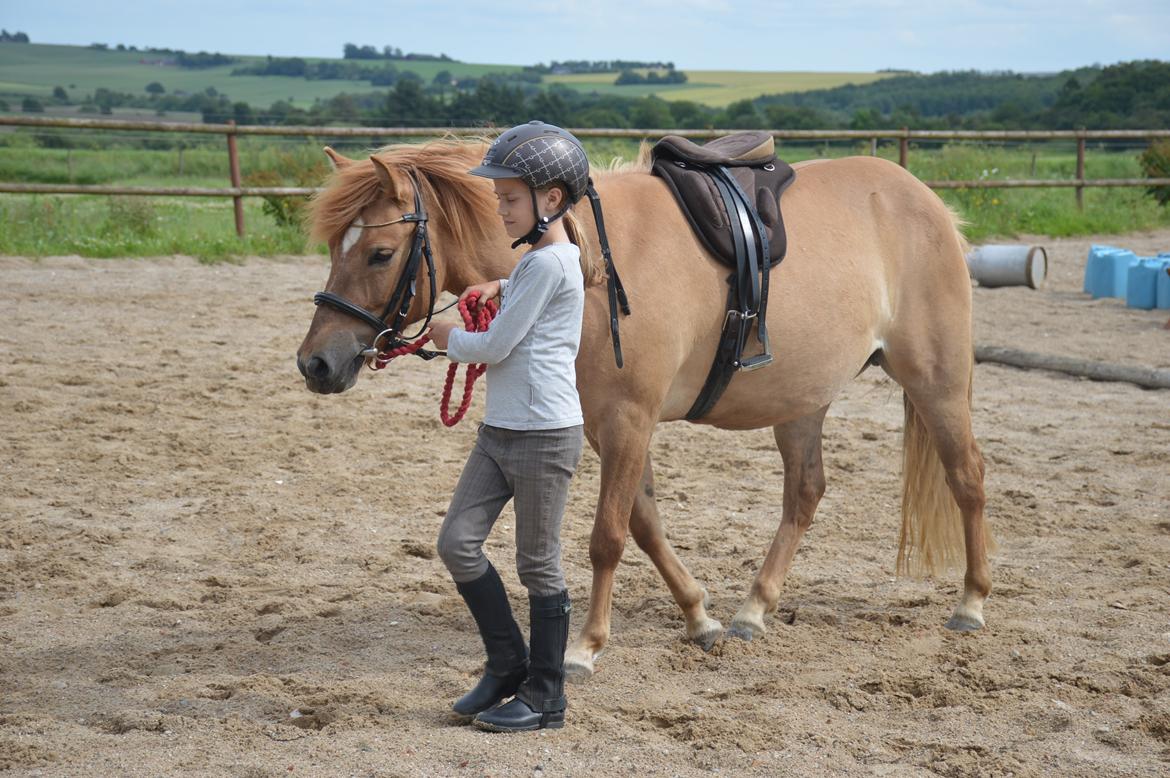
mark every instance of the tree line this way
{"type": "Point", "coordinates": [671, 76]}
{"type": "Point", "coordinates": [353, 51]}
{"type": "Point", "coordinates": [1128, 94]}
{"type": "Point", "coordinates": [597, 66]}
{"type": "Point", "coordinates": [1133, 94]}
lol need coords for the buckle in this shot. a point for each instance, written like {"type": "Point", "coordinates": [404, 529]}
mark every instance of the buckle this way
{"type": "Point", "coordinates": [755, 363]}
{"type": "Point", "coordinates": [740, 315]}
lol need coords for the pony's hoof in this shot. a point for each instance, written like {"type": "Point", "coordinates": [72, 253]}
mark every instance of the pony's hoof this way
{"type": "Point", "coordinates": [709, 635]}
{"type": "Point", "coordinates": [577, 672]}
{"type": "Point", "coordinates": [740, 632]}
{"type": "Point", "coordinates": [967, 617]}
{"type": "Point", "coordinates": [964, 623]}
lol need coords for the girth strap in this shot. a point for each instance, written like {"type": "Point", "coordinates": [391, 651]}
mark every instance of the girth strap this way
{"type": "Point", "coordinates": [748, 215]}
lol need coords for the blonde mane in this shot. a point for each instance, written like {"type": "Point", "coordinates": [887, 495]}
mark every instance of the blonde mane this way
{"type": "Point", "coordinates": [463, 210]}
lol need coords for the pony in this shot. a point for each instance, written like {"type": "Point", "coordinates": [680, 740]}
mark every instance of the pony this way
{"type": "Point", "coordinates": [875, 275]}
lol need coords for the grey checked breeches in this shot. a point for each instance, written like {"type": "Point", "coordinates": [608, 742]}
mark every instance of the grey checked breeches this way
{"type": "Point", "coordinates": [534, 468]}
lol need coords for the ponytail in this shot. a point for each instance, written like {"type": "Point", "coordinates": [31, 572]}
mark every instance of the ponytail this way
{"type": "Point", "coordinates": [591, 267]}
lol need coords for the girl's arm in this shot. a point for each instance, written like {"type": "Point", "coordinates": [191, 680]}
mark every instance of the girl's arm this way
{"type": "Point", "coordinates": [532, 288]}
{"type": "Point", "coordinates": [487, 291]}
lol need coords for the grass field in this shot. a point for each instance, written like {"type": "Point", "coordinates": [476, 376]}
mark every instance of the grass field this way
{"type": "Point", "coordinates": [125, 226]}
{"type": "Point", "coordinates": [34, 69]}
{"type": "Point", "coordinates": [717, 88]}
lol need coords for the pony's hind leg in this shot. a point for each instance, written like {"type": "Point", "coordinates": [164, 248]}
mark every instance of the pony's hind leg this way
{"type": "Point", "coordinates": [942, 492]}
{"type": "Point", "coordinates": [943, 423]}
{"type": "Point", "coordinates": [799, 442]}
{"type": "Point", "coordinates": [646, 527]}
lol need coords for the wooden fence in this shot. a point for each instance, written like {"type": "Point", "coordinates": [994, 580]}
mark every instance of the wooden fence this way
{"type": "Point", "coordinates": [237, 191]}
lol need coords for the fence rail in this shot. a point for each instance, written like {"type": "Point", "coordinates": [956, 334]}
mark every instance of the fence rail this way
{"type": "Point", "coordinates": [236, 191]}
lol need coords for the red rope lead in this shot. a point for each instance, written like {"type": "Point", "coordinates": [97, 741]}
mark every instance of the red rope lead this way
{"type": "Point", "coordinates": [472, 323]}
{"type": "Point", "coordinates": [478, 323]}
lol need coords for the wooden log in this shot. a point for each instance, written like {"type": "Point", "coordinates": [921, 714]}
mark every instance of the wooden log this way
{"type": "Point", "coordinates": [1147, 377]}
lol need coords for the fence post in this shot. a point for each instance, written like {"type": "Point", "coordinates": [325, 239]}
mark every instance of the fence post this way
{"type": "Point", "coordinates": [873, 146]}
{"type": "Point", "coordinates": [1081, 169]}
{"type": "Point", "coordinates": [234, 167]}
{"type": "Point", "coordinates": [904, 146]}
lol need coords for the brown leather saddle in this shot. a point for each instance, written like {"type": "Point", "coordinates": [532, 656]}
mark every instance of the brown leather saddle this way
{"type": "Point", "coordinates": [729, 190]}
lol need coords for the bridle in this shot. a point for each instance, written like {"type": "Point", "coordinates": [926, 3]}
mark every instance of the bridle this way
{"type": "Point", "coordinates": [404, 290]}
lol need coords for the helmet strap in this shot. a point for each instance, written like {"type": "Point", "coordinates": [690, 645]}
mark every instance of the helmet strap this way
{"type": "Point", "coordinates": [542, 223]}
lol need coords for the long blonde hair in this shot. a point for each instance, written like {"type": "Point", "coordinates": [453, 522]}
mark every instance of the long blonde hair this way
{"type": "Point", "coordinates": [591, 267]}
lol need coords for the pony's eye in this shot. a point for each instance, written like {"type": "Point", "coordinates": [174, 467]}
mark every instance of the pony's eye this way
{"type": "Point", "coordinates": [381, 256]}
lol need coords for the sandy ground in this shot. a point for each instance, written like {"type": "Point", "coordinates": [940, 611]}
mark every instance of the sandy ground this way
{"type": "Point", "coordinates": [193, 547]}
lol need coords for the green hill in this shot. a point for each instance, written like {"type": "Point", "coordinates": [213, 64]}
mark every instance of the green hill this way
{"type": "Point", "coordinates": [31, 69]}
{"type": "Point", "coordinates": [36, 69]}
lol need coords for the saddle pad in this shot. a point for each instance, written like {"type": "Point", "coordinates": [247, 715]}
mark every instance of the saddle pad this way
{"type": "Point", "coordinates": [750, 159]}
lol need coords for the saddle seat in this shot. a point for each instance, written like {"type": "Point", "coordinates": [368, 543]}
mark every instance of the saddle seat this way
{"type": "Point", "coordinates": [741, 148]}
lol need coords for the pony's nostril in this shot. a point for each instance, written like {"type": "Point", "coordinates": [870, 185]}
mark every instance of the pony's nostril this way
{"type": "Point", "coordinates": [317, 368]}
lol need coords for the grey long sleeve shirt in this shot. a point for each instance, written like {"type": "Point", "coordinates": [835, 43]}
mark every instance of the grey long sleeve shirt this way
{"type": "Point", "coordinates": [531, 346]}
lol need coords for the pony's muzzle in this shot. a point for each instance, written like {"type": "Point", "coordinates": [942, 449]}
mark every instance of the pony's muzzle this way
{"type": "Point", "coordinates": [330, 370]}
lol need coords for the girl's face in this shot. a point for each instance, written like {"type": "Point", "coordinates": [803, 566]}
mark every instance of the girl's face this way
{"type": "Point", "coordinates": [514, 205]}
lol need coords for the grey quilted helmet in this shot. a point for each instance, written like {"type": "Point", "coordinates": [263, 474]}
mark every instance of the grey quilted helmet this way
{"type": "Point", "coordinates": [540, 155]}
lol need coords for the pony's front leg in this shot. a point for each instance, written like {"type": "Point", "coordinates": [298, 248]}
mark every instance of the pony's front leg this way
{"type": "Point", "coordinates": [621, 442]}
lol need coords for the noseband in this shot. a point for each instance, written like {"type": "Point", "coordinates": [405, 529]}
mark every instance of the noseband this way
{"type": "Point", "coordinates": [404, 290]}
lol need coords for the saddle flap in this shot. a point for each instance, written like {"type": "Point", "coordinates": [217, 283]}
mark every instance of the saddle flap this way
{"type": "Point", "coordinates": [751, 160]}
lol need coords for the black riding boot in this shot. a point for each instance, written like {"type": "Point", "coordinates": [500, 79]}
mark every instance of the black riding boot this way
{"type": "Point", "coordinates": [540, 701]}
{"type": "Point", "coordinates": [507, 663]}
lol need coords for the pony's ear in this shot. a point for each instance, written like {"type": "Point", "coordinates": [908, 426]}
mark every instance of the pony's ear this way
{"type": "Point", "coordinates": [337, 161]}
{"type": "Point", "coordinates": [390, 185]}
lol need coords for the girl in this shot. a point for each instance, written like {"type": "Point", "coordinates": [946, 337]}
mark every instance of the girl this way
{"type": "Point", "coordinates": [530, 441]}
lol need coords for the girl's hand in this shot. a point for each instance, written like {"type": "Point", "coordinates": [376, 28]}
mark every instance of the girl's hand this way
{"type": "Point", "coordinates": [440, 332]}
{"type": "Point", "coordinates": [487, 291]}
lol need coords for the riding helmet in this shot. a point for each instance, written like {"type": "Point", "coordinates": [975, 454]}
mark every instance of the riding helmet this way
{"type": "Point", "coordinates": [540, 155]}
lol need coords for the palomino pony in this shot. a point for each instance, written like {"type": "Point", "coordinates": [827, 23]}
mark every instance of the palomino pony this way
{"type": "Point", "coordinates": [875, 274]}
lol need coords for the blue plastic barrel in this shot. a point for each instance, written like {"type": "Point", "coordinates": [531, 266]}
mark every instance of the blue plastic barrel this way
{"type": "Point", "coordinates": [1098, 271]}
{"type": "Point", "coordinates": [1162, 288]}
{"type": "Point", "coordinates": [1120, 262]}
{"type": "Point", "coordinates": [1141, 283]}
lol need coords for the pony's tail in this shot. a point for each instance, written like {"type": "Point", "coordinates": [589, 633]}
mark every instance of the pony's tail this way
{"type": "Point", "coordinates": [591, 266]}
{"type": "Point", "coordinates": [932, 525]}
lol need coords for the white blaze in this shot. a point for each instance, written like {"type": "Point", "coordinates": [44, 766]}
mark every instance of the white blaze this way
{"type": "Point", "coordinates": [352, 235]}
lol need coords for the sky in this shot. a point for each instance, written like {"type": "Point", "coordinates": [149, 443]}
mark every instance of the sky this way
{"type": "Point", "coordinates": [832, 35]}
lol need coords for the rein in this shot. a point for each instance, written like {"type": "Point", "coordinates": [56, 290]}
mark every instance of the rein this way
{"type": "Point", "coordinates": [472, 323]}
